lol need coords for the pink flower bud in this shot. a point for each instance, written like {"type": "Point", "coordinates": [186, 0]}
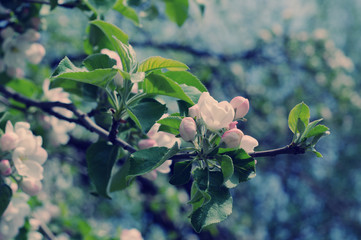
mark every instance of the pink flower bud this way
{"type": "Point", "coordinates": [31, 186]}
{"type": "Point", "coordinates": [194, 111]}
{"type": "Point", "coordinates": [147, 143]}
{"type": "Point", "coordinates": [131, 234]}
{"type": "Point", "coordinates": [5, 168]}
{"type": "Point", "coordinates": [188, 129]}
{"type": "Point", "coordinates": [232, 125]}
{"type": "Point", "coordinates": [9, 141]}
{"type": "Point", "coordinates": [241, 106]}
{"type": "Point", "coordinates": [232, 138]}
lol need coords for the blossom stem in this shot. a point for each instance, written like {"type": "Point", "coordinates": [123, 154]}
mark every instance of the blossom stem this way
{"type": "Point", "coordinates": [289, 149]}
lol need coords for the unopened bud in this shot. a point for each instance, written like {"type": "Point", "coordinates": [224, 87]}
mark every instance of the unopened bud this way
{"type": "Point", "coordinates": [241, 106]}
{"type": "Point", "coordinates": [146, 143]}
{"type": "Point", "coordinates": [232, 125]}
{"type": "Point", "coordinates": [188, 129]}
{"type": "Point", "coordinates": [5, 168]}
{"type": "Point", "coordinates": [232, 138]}
{"type": "Point", "coordinates": [31, 186]}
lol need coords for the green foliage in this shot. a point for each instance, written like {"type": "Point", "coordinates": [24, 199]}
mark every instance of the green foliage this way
{"type": "Point", "coordinates": [5, 196]}
{"type": "Point", "coordinates": [170, 124]}
{"type": "Point", "coordinates": [159, 84]}
{"type": "Point", "coordinates": [155, 63]}
{"type": "Point", "coordinates": [300, 111]}
{"type": "Point", "coordinates": [147, 112]}
{"type": "Point", "coordinates": [182, 173]}
{"type": "Point", "coordinates": [218, 207]}
{"type": "Point", "coordinates": [146, 160]}
{"type": "Point", "coordinates": [24, 86]}
{"type": "Point", "coordinates": [186, 78]}
{"type": "Point", "coordinates": [98, 61]}
{"type": "Point", "coordinates": [303, 129]}
{"type": "Point", "coordinates": [177, 10]}
{"type": "Point", "coordinates": [100, 158]}
{"type": "Point", "coordinates": [126, 11]}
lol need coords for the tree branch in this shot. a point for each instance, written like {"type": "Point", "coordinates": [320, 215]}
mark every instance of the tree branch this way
{"type": "Point", "coordinates": [82, 118]}
{"type": "Point", "coordinates": [85, 121]}
{"type": "Point", "coordinates": [64, 5]}
{"type": "Point", "coordinates": [289, 149]}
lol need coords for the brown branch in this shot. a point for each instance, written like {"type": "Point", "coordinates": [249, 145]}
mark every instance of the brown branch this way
{"type": "Point", "coordinates": [64, 5]}
{"type": "Point", "coordinates": [82, 118]}
{"type": "Point", "coordinates": [289, 149]}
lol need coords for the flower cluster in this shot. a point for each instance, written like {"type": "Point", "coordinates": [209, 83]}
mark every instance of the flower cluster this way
{"type": "Point", "coordinates": [219, 117]}
{"type": "Point", "coordinates": [28, 156]}
{"type": "Point", "coordinates": [14, 216]}
{"type": "Point", "coordinates": [60, 128]}
{"type": "Point", "coordinates": [18, 48]}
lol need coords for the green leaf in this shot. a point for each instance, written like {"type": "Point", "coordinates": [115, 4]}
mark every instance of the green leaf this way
{"type": "Point", "coordinates": [5, 197]}
{"type": "Point", "coordinates": [310, 126]}
{"type": "Point", "coordinates": [100, 158]}
{"type": "Point", "coordinates": [97, 61]}
{"type": "Point", "coordinates": [244, 165]}
{"type": "Point", "coordinates": [154, 63]}
{"type": "Point", "coordinates": [119, 181]}
{"type": "Point", "coordinates": [226, 166]}
{"type": "Point", "coordinates": [192, 92]}
{"type": "Point", "coordinates": [168, 129]}
{"type": "Point", "coordinates": [300, 126]}
{"type": "Point", "coordinates": [177, 10]}
{"type": "Point", "coordinates": [97, 77]}
{"type": "Point", "coordinates": [126, 11]}
{"type": "Point", "coordinates": [64, 66]}
{"type": "Point", "coordinates": [147, 112]}
{"type": "Point", "coordinates": [181, 173]}
{"type": "Point", "coordinates": [146, 160]}
{"type": "Point", "coordinates": [172, 122]}
{"type": "Point", "coordinates": [157, 84]}
{"type": "Point", "coordinates": [186, 78]}
{"type": "Point", "coordinates": [134, 118]}
{"type": "Point", "coordinates": [53, 4]}
{"type": "Point", "coordinates": [300, 111]}
{"type": "Point", "coordinates": [319, 129]}
{"type": "Point", "coordinates": [219, 206]}
{"type": "Point", "coordinates": [115, 39]}
{"type": "Point", "coordinates": [198, 197]}
{"type": "Point", "coordinates": [24, 86]}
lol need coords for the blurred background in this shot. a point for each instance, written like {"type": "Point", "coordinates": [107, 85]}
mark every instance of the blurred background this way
{"type": "Point", "coordinates": [275, 53]}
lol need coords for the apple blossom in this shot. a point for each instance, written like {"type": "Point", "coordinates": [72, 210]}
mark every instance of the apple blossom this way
{"type": "Point", "coordinates": [5, 168]}
{"type": "Point", "coordinates": [31, 186]}
{"type": "Point", "coordinates": [14, 216]}
{"type": "Point", "coordinates": [9, 140]}
{"type": "Point", "coordinates": [60, 128]}
{"type": "Point", "coordinates": [248, 143]}
{"type": "Point", "coordinates": [131, 234]}
{"type": "Point", "coordinates": [241, 106]}
{"type": "Point", "coordinates": [20, 47]}
{"type": "Point", "coordinates": [147, 143]}
{"type": "Point", "coordinates": [216, 115]}
{"type": "Point", "coordinates": [194, 111]}
{"type": "Point", "coordinates": [188, 129]}
{"type": "Point", "coordinates": [232, 138]}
